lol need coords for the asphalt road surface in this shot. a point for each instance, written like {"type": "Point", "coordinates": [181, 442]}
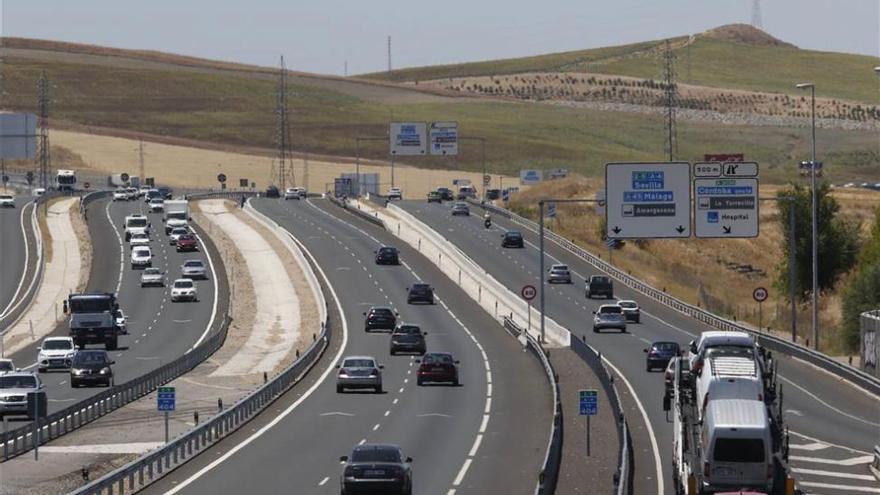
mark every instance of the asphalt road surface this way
{"type": "Point", "coordinates": [14, 223]}
{"type": "Point", "coordinates": [819, 407]}
{"type": "Point", "coordinates": [488, 435]}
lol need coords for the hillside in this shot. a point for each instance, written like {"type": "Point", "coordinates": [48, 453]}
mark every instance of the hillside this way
{"type": "Point", "coordinates": [164, 97]}
{"type": "Point", "coordinates": [732, 57]}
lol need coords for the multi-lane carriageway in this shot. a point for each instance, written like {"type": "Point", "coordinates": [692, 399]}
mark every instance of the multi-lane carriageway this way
{"type": "Point", "coordinates": [17, 248]}
{"type": "Point", "coordinates": [834, 425]}
{"type": "Point", "coordinates": [158, 331]}
{"type": "Point", "coordinates": [488, 435]}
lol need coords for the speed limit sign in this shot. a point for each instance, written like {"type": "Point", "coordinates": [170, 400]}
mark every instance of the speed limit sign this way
{"type": "Point", "coordinates": [760, 294]}
{"type": "Point", "coordinates": [529, 292]}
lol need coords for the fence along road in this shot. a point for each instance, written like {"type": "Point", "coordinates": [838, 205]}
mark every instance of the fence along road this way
{"type": "Point", "coordinates": [828, 411]}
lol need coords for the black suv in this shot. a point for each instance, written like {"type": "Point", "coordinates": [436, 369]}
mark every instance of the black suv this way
{"type": "Point", "coordinates": [420, 292]}
{"type": "Point", "coordinates": [380, 318]}
{"type": "Point", "coordinates": [91, 367]}
{"type": "Point", "coordinates": [376, 468]}
{"type": "Point", "coordinates": [445, 193]}
{"type": "Point", "coordinates": [272, 192]}
{"type": "Point", "coordinates": [387, 255]}
{"type": "Point", "coordinates": [493, 194]}
{"type": "Point", "coordinates": [512, 239]}
{"type": "Point", "coordinates": [599, 285]}
{"type": "Point", "coordinates": [408, 338]}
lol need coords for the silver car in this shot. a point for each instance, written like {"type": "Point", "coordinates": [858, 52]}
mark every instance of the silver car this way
{"type": "Point", "coordinates": [460, 208]}
{"type": "Point", "coordinates": [609, 316]}
{"type": "Point", "coordinates": [359, 372]}
{"type": "Point", "coordinates": [175, 234]}
{"type": "Point", "coordinates": [14, 388]}
{"type": "Point", "coordinates": [193, 269]}
{"type": "Point", "coordinates": [559, 274]}
{"type": "Point", "coordinates": [153, 277]}
{"type": "Point", "coordinates": [631, 310]}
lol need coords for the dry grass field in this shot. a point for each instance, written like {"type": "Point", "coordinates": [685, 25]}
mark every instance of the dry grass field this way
{"type": "Point", "coordinates": [710, 272]}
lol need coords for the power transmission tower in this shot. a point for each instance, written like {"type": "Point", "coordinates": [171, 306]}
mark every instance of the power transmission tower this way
{"type": "Point", "coordinates": [141, 160]}
{"type": "Point", "coordinates": [670, 101]}
{"type": "Point", "coordinates": [756, 14]}
{"type": "Point", "coordinates": [282, 132]}
{"type": "Point", "coordinates": [389, 55]}
{"type": "Point", "coordinates": [43, 105]}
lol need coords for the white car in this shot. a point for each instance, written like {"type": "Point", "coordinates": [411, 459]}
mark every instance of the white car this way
{"type": "Point", "coordinates": [143, 191]}
{"type": "Point", "coordinates": [141, 256]}
{"type": "Point", "coordinates": [157, 205]}
{"type": "Point", "coordinates": [132, 193]}
{"type": "Point", "coordinates": [395, 193]}
{"type": "Point", "coordinates": [121, 322]}
{"type": "Point", "coordinates": [55, 353]}
{"type": "Point", "coordinates": [184, 289]}
{"type": "Point", "coordinates": [193, 269]}
{"type": "Point", "coordinates": [292, 193]}
{"type": "Point", "coordinates": [120, 195]}
{"type": "Point", "coordinates": [39, 191]}
{"type": "Point", "coordinates": [139, 239]}
{"type": "Point", "coordinates": [6, 366]}
{"type": "Point", "coordinates": [176, 233]}
{"type": "Point", "coordinates": [7, 201]}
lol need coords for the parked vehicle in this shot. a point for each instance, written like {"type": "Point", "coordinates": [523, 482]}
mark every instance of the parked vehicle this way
{"type": "Point", "coordinates": [359, 372]}
{"type": "Point", "coordinates": [437, 367]}
{"type": "Point", "coordinates": [92, 367]}
{"type": "Point", "coordinates": [376, 468]}
{"type": "Point", "coordinates": [408, 338]}
{"type": "Point", "coordinates": [92, 319]}
{"type": "Point", "coordinates": [599, 285]}
{"type": "Point", "coordinates": [55, 353]}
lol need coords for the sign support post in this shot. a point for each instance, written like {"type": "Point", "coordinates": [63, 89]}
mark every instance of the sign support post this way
{"type": "Point", "coordinates": [541, 262]}
{"type": "Point", "coordinates": [760, 295]}
{"type": "Point", "coordinates": [166, 427]}
{"type": "Point", "coordinates": [528, 293]}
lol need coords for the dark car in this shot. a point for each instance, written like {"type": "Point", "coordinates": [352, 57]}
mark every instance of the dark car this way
{"type": "Point", "coordinates": [445, 193]}
{"type": "Point", "coordinates": [599, 285]}
{"type": "Point", "coordinates": [512, 239]}
{"type": "Point", "coordinates": [420, 292]}
{"type": "Point", "coordinates": [376, 468]}
{"type": "Point", "coordinates": [408, 338]}
{"type": "Point", "coordinates": [437, 367]}
{"type": "Point", "coordinates": [187, 242]}
{"type": "Point", "coordinates": [91, 367]}
{"type": "Point", "coordinates": [660, 353]}
{"type": "Point", "coordinates": [387, 255]}
{"type": "Point", "coordinates": [164, 192]}
{"type": "Point", "coordinates": [380, 318]}
{"type": "Point", "coordinates": [434, 197]}
{"type": "Point", "coordinates": [492, 194]}
{"type": "Point", "coordinates": [272, 192]}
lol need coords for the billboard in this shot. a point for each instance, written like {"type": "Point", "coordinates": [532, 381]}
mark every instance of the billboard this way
{"type": "Point", "coordinates": [530, 177]}
{"type": "Point", "coordinates": [18, 136]}
{"type": "Point", "coordinates": [408, 138]}
{"type": "Point", "coordinates": [444, 138]}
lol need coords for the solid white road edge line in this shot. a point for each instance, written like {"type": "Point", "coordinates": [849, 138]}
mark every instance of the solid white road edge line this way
{"type": "Point", "coordinates": [26, 258]}
{"type": "Point", "coordinates": [121, 247]}
{"type": "Point", "coordinates": [216, 295]}
{"type": "Point", "coordinates": [183, 484]}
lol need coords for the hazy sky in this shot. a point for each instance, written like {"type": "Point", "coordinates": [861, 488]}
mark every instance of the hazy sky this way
{"type": "Point", "coordinates": [320, 35]}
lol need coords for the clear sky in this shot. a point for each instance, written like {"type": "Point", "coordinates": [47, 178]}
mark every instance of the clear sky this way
{"type": "Point", "coordinates": [320, 35]}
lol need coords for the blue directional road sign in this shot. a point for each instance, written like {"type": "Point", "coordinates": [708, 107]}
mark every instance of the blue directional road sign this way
{"type": "Point", "coordinates": [648, 200]}
{"type": "Point", "coordinates": [589, 402]}
{"type": "Point", "coordinates": [551, 209]}
{"type": "Point", "coordinates": [166, 399]}
{"type": "Point", "coordinates": [505, 195]}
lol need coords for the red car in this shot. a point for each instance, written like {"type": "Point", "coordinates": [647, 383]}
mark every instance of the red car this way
{"type": "Point", "coordinates": [187, 242]}
{"type": "Point", "coordinates": [437, 367]}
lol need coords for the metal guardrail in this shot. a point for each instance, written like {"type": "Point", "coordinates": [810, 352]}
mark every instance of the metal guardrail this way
{"type": "Point", "coordinates": [549, 474]}
{"type": "Point", "coordinates": [623, 477]}
{"type": "Point", "coordinates": [20, 440]}
{"type": "Point", "coordinates": [853, 375]}
{"type": "Point", "coordinates": [153, 465]}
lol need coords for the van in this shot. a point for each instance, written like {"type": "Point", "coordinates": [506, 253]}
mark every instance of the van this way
{"type": "Point", "coordinates": [728, 377]}
{"type": "Point", "coordinates": [736, 446]}
{"type": "Point", "coordinates": [467, 192]}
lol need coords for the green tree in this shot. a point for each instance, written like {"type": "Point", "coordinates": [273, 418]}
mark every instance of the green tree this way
{"type": "Point", "coordinates": [870, 252]}
{"type": "Point", "coordinates": [862, 294]}
{"type": "Point", "coordinates": [838, 239]}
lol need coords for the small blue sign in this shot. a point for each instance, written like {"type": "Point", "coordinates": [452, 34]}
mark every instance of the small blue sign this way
{"type": "Point", "coordinates": [647, 197]}
{"type": "Point", "coordinates": [551, 210]}
{"type": "Point", "coordinates": [712, 216]}
{"type": "Point", "coordinates": [716, 191]}
{"type": "Point", "coordinates": [505, 195]}
{"type": "Point", "coordinates": [650, 180]}
{"type": "Point", "coordinates": [589, 402]}
{"type": "Point", "coordinates": [166, 399]}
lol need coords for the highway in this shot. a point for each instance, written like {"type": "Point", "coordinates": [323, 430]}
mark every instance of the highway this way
{"type": "Point", "coordinates": [488, 435]}
{"type": "Point", "coordinates": [15, 223]}
{"type": "Point", "coordinates": [838, 420]}
{"type": "Point", "coordinates": [159, 331]}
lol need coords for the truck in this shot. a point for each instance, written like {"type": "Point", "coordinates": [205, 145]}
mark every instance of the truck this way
{"type": "Point", "coordinates": [176, 214]}
{"type": "Point", "coordinates": [93, 319]}
{"type": "Point", "coordinates": [65, 180]}
{"type": "Point", "coordinates": [727, 442]}
{"type": "Point", "coordinates": [118, 180]}
{"type": "Point", "coordinates": [136, 224]}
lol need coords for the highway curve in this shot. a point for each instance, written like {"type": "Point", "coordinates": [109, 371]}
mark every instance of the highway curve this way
{"type": "Point", "coordinates": [14, 224]}
{"type": "Point", "coordinates": [458, 439]}
{"type": "Point", "coordinates": [840, 419]}
{"type": "Point", "coordinates": [159, 331]}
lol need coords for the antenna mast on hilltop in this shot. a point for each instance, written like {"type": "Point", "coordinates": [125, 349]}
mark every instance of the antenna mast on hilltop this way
{"type": "Point", "coordinates": [756, 14]}
{"type": "Point", "coordinates": [43, 104]}
{"type": "Point", "coordinates": [671, 101]}
{"type": "Point", "coordinates": [282, 132]}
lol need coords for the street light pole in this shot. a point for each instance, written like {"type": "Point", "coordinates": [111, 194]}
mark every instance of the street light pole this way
{"type": "Point", "coordinates": [815, 270]}
{"type": "Point", "coordinates": [541, 263]}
